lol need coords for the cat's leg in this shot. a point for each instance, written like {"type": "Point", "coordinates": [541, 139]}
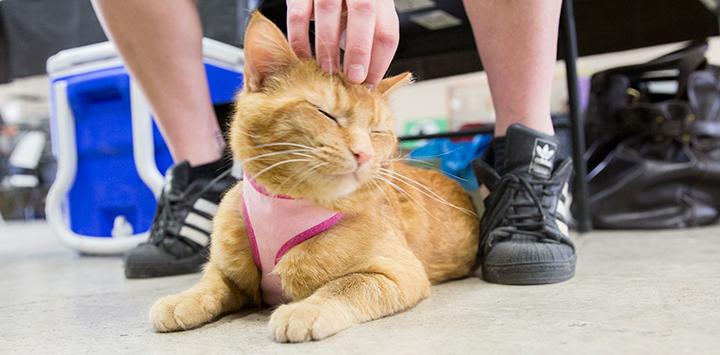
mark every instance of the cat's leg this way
{"type": "Point", "coordinates": [387, 286]}
{"type": "Point", "coordinates": [229, 282]}
{"type": "Point", "coordinates": [213, 296]}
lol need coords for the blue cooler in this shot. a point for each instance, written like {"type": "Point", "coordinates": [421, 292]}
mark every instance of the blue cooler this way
{"type": "Point", "coordinates": [110, 153]}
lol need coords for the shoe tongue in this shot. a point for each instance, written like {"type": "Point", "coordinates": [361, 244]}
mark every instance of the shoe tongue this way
{"type": "Point", "coordinates": [177, 177]}
{"type": "Point", "coordinates": [530, 152]}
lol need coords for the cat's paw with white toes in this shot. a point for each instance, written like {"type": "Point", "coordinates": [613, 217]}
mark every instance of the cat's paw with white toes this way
{"type": "Point", "coordinates": [304, 321]}
{"type": "Point", "coordinates": [178, 312]}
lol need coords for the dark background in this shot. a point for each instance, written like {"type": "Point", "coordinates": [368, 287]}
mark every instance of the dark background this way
{"type": "Point", "coordinates": [33, 30]}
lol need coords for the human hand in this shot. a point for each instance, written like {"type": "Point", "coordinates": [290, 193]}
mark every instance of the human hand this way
{"type": "Point", "coordinates": [370, 28]}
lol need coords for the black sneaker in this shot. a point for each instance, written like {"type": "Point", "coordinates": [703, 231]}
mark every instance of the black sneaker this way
{"type": "Point", "coordinates": [524, 234]}
{"type": "Point", "coordinates": [180, 234]}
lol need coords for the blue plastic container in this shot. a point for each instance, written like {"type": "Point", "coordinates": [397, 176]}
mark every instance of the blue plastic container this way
{"type": "Point", "coordinates": [107, 183]}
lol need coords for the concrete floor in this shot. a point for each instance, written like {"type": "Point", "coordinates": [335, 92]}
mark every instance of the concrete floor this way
{"type": "Point", "coordinates": [652, 292]}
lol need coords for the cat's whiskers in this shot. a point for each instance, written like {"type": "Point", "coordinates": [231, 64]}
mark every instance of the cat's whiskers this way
{"type": "Point", "coordinates": [408, 195]}
{"type": "Point", "coordinates": [299, 152]}
{"type": "Point", "coordinates": [291, 177]}
{"type": "Point", "coordinates": [410, 159]}
{"type": "Point", "coordinates": [302, 175]}
{"type": "Point", "coordinates": [405, 157]}
{"type": "Point", "coordinates": [249, 135]}
{"type": "Point", "coordinates": [423, 189]}
{"type": "Point", "coordinates": [307, 174]}
{"type": "Point", "coordinates": [402, 157]}
{"type": "Point", "coordinates": [287, 161]}
{"type": "Point", "coordinates": [434, 155]}
{"type": "Point", "coordinates": [426, 164]}
{"type": "Point", "coordinates": [377, 186]}
{"type": "Point", "coordinates": [404, 192]}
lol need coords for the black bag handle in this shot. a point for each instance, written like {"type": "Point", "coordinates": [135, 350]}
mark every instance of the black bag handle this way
{"type": "Point", "coordinates": [686, 60]}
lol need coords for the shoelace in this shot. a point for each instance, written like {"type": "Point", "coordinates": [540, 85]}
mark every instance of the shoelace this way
{"type": "Point", "coordinates": [532, 222]}
{"type": "Point", "coordinates": [169, 205]}
{"type": "Point", "coordinates": [536, 219]}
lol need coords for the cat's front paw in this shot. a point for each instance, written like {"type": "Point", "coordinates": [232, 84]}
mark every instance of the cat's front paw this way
{"type": "Point", "coordinates": [178, 312]}
{"type": "Point", "coordinates": [305, 321]}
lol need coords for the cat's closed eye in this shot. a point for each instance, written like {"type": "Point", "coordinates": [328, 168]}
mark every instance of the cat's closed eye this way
{"type": "Point", "coordinates": [326, 114]}
{"type": "Point", "coordinates": [377, 131]}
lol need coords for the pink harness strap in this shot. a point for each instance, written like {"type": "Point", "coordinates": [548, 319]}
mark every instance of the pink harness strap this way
{"type": "Point", "coordinates": [275, 224]}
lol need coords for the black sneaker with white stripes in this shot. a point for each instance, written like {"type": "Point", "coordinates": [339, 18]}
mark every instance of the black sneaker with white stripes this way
{"type": "Point", "coordinates": [180, 235]}
{"type": "Point", "coordinates": [524, 234]}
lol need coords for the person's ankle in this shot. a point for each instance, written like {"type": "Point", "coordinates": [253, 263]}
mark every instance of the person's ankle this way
{"type": "Point", "coordinates": [540, 123]}
{"type": "Point", "coordinates": [215, 150]}
{"type": "Point", "coordinates": [209, 169]}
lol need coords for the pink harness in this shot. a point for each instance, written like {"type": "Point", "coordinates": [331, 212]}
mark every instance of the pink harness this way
{"type": "Point", "coordinates": [275, 224]}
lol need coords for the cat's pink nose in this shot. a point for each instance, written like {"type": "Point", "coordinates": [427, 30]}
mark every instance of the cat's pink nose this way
{"type": "Point", "coordinates": [362, 157]}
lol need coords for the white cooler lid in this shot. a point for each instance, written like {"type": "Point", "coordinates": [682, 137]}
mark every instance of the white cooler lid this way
{"type": "Point", "coordinates": [104, 55]}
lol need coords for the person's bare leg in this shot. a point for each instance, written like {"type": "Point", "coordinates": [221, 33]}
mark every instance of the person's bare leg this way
{"type": "Point", "coordinates": [161, 44]}
{"type": "Point", "coordinates": [517, 42]}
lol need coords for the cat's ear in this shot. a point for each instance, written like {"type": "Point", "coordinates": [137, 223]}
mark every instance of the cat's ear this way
{"type": "Point", "coordinates": [389, 84]}
{"type": "Point", "coordinates": [266, 51]}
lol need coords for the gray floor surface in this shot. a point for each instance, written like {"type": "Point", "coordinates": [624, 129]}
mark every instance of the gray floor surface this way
{"type": "Point", "coordinates": [639, 292]}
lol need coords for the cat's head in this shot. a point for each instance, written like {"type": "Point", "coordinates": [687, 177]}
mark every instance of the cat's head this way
{"type": "Point", "coordinates": [305, 133]}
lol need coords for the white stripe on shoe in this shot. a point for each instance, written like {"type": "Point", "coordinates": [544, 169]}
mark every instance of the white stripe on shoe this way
{"type": "Point", "coordinates": [206, 206]}
{"type": "Point", "coordinates": [199, 221]}
{"type": "Point", "coordinates": [562, 227]}
{"type": "Point", "coordinates": [563, 210]}
{"type": "Point", "coordinates": [195, 235]}
{"type": "Point", "coordinates": [567, 196]}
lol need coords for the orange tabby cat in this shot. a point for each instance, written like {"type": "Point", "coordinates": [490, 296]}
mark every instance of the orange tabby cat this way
{"type": "Point", "coordinates": [298, 131]}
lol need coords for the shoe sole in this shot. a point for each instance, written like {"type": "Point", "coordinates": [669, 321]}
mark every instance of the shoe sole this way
{"type": "Point", "coordinates": [529, 274]}
{"type": "Point", "coordinates": [186, 266]}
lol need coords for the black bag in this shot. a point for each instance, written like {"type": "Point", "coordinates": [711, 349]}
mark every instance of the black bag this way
{"type": "Point", "coordinates": [653, 133]}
